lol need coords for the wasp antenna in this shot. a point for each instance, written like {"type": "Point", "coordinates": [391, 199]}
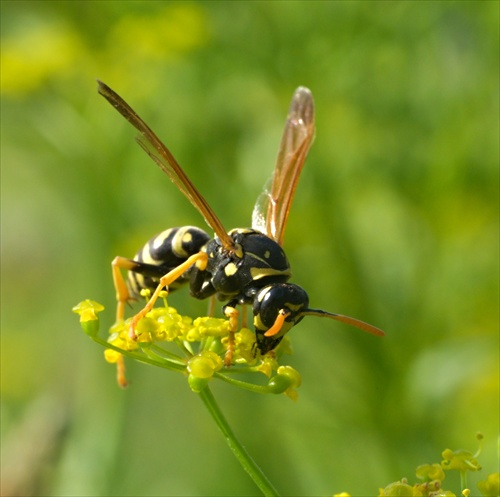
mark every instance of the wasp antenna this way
{"type": "Point", "coordinates": [373, 330]}
{"type": "Point", "coordinates": [276, 327]}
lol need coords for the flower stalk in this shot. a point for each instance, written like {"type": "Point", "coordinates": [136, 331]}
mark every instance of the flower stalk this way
{"type": "Point", "coordinates": [239, 451]}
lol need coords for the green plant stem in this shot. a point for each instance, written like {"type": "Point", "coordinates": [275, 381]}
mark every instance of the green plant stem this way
{"type": "Point", "coordinates": [158, 361]}
{"type": "Point", "coordinates": [243, 384]}
{"type": "Point", "coordinates": [463, 480]}
{"type": "Point", "coordinates": [244, 458]}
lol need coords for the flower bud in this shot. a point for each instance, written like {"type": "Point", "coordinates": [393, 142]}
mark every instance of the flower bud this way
{"type": "Point", "coordinates": [197, 384]}
{"type": "Point", "coordinates": [397, 489]}
{"type": "Point", "coordinates": [204, 365]}
{"type": "Point", "coordinates": [490, 486]}
{"type": "Point", "coordinates": [460, 459]}
{"type": "Point", "coordinates": [429, 472]}
{"type": "Point", "coordinates": [285, 380]}
{"type": "Point", "coordinates": [89, 321]}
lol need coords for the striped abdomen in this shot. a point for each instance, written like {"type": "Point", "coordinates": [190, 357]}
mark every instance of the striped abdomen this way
{"type": "Point", "coordinates": [163, 253]}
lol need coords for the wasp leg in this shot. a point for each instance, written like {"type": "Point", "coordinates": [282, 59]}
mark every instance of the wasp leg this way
{"type": "Point", "coordinates": [200, 259]}
{"type": "Point", "coordinates": [244, 317]}
{"type": "Point", "coordinates": [211, 306]}
{"type": "Point", "coordinates": [232, 313]}
{"type": "Point", "coordinates": [120, 372]}
{"type": "Point", "coordinates": [122, 293]}
{"type": "Point", "coordinates": [122, 297]}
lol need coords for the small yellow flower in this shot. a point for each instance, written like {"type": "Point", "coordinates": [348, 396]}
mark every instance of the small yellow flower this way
{"type": "Point", "coordinates": [88, 310]}
{"type": "Point", "coordinates": [166, 324]}
{"type": "Point", "coordinates": [204, 364]}
{"type": "Point", "coordinates": [491, 486]}
{"type": "Point", "coordinates": [460, 459]}
{"type": "Point", "coordinates": [207, 327]}
{"type": "Point", "coordinates": [245, 343]}
{"type": "Point", "coordinates": [111, 356]}
{"type": "Point", "coordinates": [397, 489]}
{"type": "Point", "coordinates": [429, 472]}
{"type": "Point", "coordinates": [201, 368]}
{"type": "Point", "coordinates": [428, 488]}
{"type": "Point", "coordinates": [268, 365]}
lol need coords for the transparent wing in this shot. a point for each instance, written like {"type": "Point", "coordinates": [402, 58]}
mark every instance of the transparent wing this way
{"type": "Point", "coordinates": [153, 146]}
{"type": "Point", "coordinates": [271, 211]}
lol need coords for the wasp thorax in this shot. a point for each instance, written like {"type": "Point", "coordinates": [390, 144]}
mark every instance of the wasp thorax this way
{"type": "Point", "coordinates": [260, 261]}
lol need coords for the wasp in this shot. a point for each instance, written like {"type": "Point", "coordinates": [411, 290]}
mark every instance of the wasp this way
{"type": "Point", "coordinates": [239, 267]}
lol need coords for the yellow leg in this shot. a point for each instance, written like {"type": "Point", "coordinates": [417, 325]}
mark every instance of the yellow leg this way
{"type": "Point", "coordinates": [120, 372]}
{"type": "Point", "coordinates": [233, 314]}
{"type": "Point", "coordinates": [244, 316]}
{"type": "Point", "coordinates": [200, 259]}
{"type": "Point", "coordinates": [122, 293]}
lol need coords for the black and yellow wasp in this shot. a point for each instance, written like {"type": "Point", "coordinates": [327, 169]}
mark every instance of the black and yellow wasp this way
{"type": "Point", "coordinates": [242, 266]}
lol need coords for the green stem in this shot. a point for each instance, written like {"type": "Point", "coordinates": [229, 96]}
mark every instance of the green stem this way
{"type": "Point", "coordinates": [463, 480]}
{"type": "Point", "coordinates": [243, 384]}
{"type": "Point", "coordinates": [244, 458]}
{"type": "Point", "coordinates": [159, 361]}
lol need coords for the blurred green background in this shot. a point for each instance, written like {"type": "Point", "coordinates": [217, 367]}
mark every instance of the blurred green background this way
{"type": "Point", "coordinates": [395, 222]}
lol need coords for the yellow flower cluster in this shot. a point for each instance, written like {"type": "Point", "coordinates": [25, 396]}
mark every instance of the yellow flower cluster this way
{"type": "Point", "coordinates": [199, 347]}
{"type": "Point", "coordinates": [432, 476]}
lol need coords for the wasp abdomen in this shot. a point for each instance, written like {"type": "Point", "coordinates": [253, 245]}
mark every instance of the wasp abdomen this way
{"type": "Point", "coordinates": [164, 252]}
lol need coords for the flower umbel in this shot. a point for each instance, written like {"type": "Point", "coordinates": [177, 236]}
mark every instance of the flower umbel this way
{"type": "Point", "coordinates": [432, 476]}
{"type": "Point", "coordinates": [194, 347]}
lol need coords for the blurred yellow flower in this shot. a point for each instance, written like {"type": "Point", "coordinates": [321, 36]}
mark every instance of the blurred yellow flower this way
{"type": "Point", "coordinates": [36, 54]}
{"type": "Point", "coordinates": [173, 30]}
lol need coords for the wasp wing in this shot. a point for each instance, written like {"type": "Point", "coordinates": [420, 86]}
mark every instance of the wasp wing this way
{"type": "Point", "coordinates": [154, 147]}
{"type": "Point", "coordinates": [271, 211]}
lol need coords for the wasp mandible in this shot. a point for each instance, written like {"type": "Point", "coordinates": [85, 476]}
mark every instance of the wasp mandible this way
{"type": "Point", "coordinates": [240, 267]}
